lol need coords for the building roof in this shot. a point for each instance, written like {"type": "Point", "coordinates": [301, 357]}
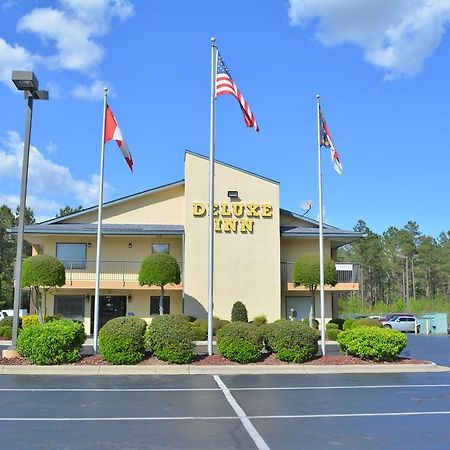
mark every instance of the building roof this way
{"type": "Point", "coordinates": [107, 229]}
{"type": "Point", "coordinates": [314, 232]}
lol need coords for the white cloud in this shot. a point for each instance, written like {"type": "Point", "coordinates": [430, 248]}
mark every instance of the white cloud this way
{"type": "Point", "coordinates": [74, 27]}
{"type": "Point", "coordinates": [13, 57]}
{"type": "Point", "coordinates": [46, 179]}
{"type": "Point", "coordinates": [397, 36]}
{"type": "Point", "coordinates": [94, 91]}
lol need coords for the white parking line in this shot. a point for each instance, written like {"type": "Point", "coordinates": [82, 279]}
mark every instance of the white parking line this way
{"type": "Point", "coordinates": [380, 414]}
{"type": "Point", "coordinates": [275, 388]}
{"type": "Point", "coordinates": [251, 430]}
{"type": "Point", "coordinates": [110, 419]}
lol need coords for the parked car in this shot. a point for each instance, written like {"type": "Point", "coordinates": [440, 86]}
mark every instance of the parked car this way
{"type": "Point", "coordinates": [391, 315]}
{"type": "Point", "coordinates": [402, 323]}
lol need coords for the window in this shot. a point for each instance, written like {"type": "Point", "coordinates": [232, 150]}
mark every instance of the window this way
{"type": "Point", "coordinates": [160, 248]}
{"type": "Point", "coordinates": [70, 306]}
{"type": "Point", "coordinates": [154, 305]}
{"type": "Point", "coordinates": [73, 256]}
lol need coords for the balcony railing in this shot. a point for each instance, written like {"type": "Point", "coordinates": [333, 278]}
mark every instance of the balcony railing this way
{"type": "Point", "coordinates": [346, 272]}
{"type": "Point", "coordinates": [121, 271]}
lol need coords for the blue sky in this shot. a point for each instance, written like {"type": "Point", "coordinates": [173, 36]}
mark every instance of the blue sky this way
{"type": "Point", "coordinates": [382, 71]}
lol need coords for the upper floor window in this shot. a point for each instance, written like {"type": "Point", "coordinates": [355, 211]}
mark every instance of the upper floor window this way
{"type": "Point", "coordinates": [73, 256]}
{"type": "Point", "coordinates": [160, 248]}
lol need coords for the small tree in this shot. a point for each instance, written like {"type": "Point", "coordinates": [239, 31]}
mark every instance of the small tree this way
{"type": "Point", "coordinates": [239, 312]}
{"type": "Point", "coordinates": [159, 269]}
{"type": "Point", "coordinates": [42, 273]}
{"type": "Point", "coordinates": [307, 272]}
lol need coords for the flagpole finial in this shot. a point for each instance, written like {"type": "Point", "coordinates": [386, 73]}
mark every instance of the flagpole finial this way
{"type": "Point", "coordinates": [105, 89]}
{"type": "Point", "coordinates": [317, 96]}
{"type": "Point", "coordinates": [213, 40]}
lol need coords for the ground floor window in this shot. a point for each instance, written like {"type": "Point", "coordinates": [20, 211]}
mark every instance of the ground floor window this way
{"type": "Point", "coordinates": [70, 306]}
{"type": "Point", "coordinates": [154, 305]}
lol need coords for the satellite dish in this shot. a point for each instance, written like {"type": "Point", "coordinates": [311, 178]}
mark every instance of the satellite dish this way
{"type": "Point", "coordinates": [306, 205]}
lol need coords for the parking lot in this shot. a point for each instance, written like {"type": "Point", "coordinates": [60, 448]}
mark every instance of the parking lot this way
{"type": "Point", "coordinates": [332, 411]}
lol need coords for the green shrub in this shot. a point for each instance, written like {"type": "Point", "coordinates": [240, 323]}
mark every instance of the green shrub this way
{"type": "Point", "coordinates": [31, 319]}
{"type": "Point", "coordinates": [366, 322]}
{"type": "Point", "coordinates": [121, 340]}
{"type": "Point", "coordinates": [200, 334]}
{"type": "Point", "coordinates": [348, 324]}
{"type": "Point", "coordinates": [7, 333]}
{"type": "Point", "coordinates": [239, 313]}
{"type": "Point", "coordinates": [291, 341]}
{"type": "Point", "coordinates": [203, 323]}
{"type": "Point", "coordinates": [331, 326]}
{"type": "Point", "coordinates": [372, 343]}
{"type": "Point", "coordinates": [259, 320]}
{"type": "Point", "coordinates": [339, 322]}
{"type": "Point", "coordinates": [51, 343]}
{"type": "Point", "coordinates": [332, 333]}
{"type": "Point", "coordinates": [240, 341]}
{"type": "Point", "coordinates": [314, 322]}
{"type": "Point", "coordinates": [8, 322]}
{"type": "Point", "coordinates": [51, 318]}
{"type": "Point", "coordinates": [171, 338]}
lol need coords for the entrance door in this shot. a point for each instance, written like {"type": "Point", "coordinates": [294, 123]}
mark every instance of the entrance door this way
{"type": "Point", "coordinates": [299, 307]}
{"type": "Point", "coordinates": [111, 306]}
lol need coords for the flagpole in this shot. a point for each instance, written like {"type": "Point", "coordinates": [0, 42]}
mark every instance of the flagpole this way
{"type": "Point", "coordinates": [211, 199]}
{"type": "Point", "coordinates": [322, 291]}
{"type": "Point", "coordinates": [99, 227]}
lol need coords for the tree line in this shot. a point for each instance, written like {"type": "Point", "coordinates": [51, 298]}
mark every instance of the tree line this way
{"type": "Point", "coordinates": [400, 263]}
{"type": "Point", "coordinates": [8, 245]}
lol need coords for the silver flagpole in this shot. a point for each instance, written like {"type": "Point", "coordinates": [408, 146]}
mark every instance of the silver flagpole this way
{"type": "Point", "coordinates": [99, 228]}
{"type": "Point", "coordinates": [211, 199]}
{"type": "Point", "coordinates": [322, 292]}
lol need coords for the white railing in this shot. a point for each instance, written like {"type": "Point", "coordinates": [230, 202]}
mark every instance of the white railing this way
{"type": "Point", "coordinates": [84, 270]}
{"type": "Point", "coordinates": [346, 272]}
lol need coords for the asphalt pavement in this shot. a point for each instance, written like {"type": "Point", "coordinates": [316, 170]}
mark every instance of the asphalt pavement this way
{"type": "Point", "coordinates": [352, 411]}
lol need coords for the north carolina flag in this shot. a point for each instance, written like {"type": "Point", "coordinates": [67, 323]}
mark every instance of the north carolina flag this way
{"type": "Point", "coordinates": [112, 132]}
{"type": "Point", "coordinates": [327, 141]}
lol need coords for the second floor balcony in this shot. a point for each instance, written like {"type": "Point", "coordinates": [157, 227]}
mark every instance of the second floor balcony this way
{"type": "Point", "coordinates": [120, 272]}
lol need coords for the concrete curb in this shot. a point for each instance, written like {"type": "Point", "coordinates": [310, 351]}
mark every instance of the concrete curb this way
{"type": "Point", "coordinates": [219, 370]}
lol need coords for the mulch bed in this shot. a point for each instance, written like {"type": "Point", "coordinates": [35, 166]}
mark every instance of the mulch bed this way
{"type": "Point", "coordinates": [218, 360]}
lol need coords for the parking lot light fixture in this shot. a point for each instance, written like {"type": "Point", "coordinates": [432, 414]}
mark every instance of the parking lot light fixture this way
{"type": "Point", "coordinates": [27, 82]}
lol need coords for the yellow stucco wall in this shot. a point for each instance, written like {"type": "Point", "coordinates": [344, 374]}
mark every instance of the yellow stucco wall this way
{"type": "Point", "coordinates": [246, 265]}
{"type": "Point", "coordinates": [292, 248]}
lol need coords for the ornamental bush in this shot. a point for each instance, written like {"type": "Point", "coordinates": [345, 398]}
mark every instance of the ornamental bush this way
{"type": "Point", "coordinates": [366, 322]}
{"type": "Point", "coordinates": [372, 343]}
{"type": "Point", "coordinates": [203, 324]}
{"type": "Point", "coordinates": [332, 333]}
{"type": "Point", "coordinates": [8, 321]}
{"type": "Point", "coordinates": [331, 326]}
{"type": "Point", "coordinates": [121, 340]}
{"type": "Point", "coordinates": [31, 319]}
{"type": "Point", "coordinates": [348, 324]}
{"type": "Point", "coordinates": [200, 334]}
{"type": "Point", "coordinates": [7, 333]}
{"type": "Point", "coordinates": [239, 312]}
{"type": "Point", "coordinates": [51, 343]}
{"type": "Point", "coordinates": [339, 322]}
{"type": "Point", "coordinates": [171, 338]}
{"type": "Point", "coordinates": [259, 320]}
{"type": "Point", "coordinates": [291, 341]}
{"type": "Point", "coordinates": [240, 341]}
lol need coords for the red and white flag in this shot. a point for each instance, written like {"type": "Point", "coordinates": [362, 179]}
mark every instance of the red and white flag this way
{"type": "Point", "coordinates": [112, 132]}
{"type": "Point", "coordinates": [226, 85]}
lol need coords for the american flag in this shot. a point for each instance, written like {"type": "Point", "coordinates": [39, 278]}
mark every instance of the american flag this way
{"type": "Point", "coordinates": [226, 85]}
{"type": "Point", "coordinates": [327, 141]}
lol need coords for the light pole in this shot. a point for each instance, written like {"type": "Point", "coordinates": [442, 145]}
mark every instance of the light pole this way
{"type": "Point", "coordinates": [27, 82]}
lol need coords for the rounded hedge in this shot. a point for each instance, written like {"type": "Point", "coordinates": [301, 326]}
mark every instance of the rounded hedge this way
{"type": "Point", "coordinates": [259, 320]}
{"type": "Point", "coordinates": [8, 321]}
{"type": "Point", "coordinates": [348, 324]}
{"type": "Point", "coordinates": [366, 322]}
{"type": "Point", "coordinates": [171, 338]}
{"type": "Point", "coordinates": [200, 334]}
{"type": "Point", "coordinates": [339, 322]}
{"type": "Point", "coordinates": [239, 312]}
{"type": "Point", "coordinates": [203, 324]}
{"type": "Point", "coordinates": [291, 341]}
{"type": "Point", "coordinates": [372, 343]}
{"type": "Point", "coordinates": [31, 319]}
{"type": "Point", "coordinates": [331, 326]}
{"type": "Point", "coordinates": [52, 343]}
{"type": "Point", "coordinates": [332, 333]}
{"type": "Point", "coordinates": [121, 340]}
{"type": "Point", "coordinates": [240, 341]}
